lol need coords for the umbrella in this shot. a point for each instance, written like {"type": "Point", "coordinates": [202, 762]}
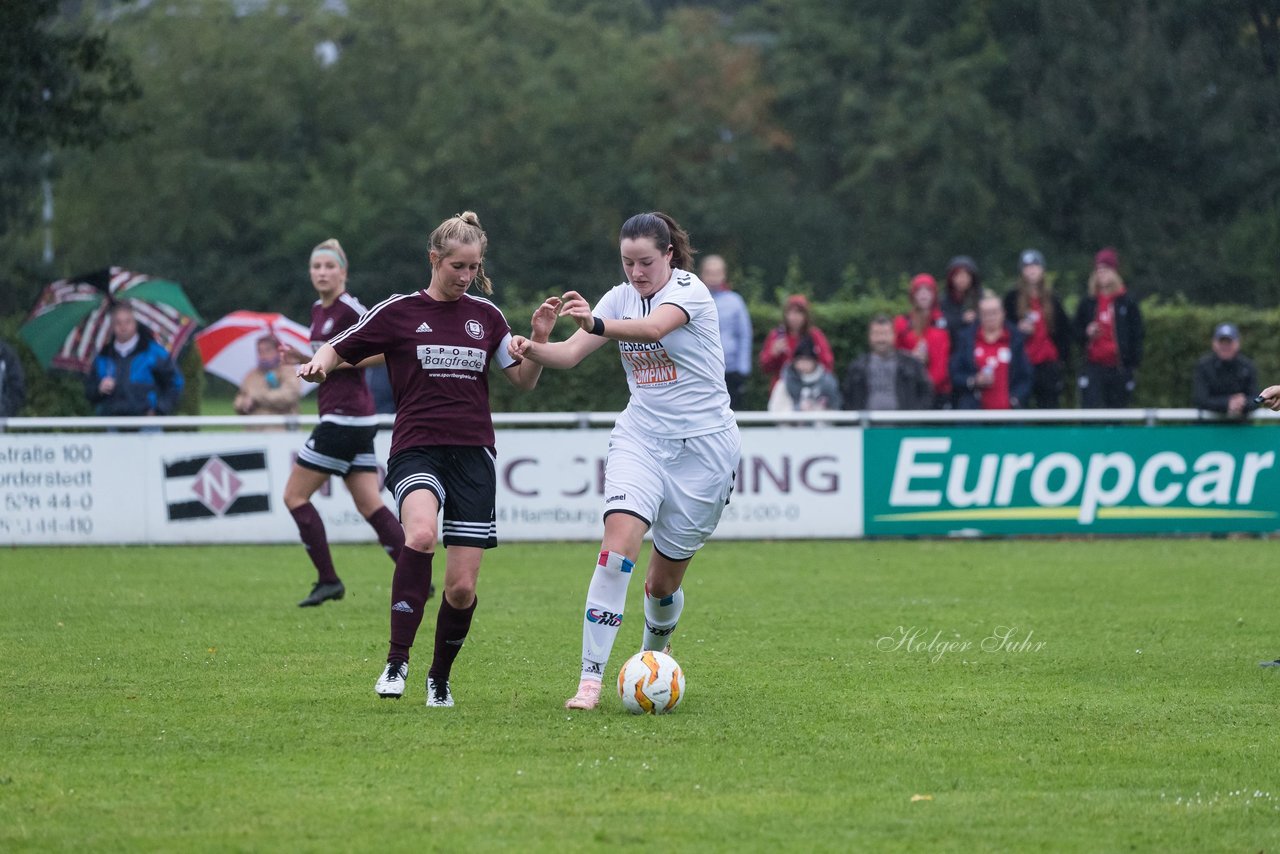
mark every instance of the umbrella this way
{"type": "Point", "coordinates": [229, 347]}
{"type": "Point", "coordinates": [72, 319]}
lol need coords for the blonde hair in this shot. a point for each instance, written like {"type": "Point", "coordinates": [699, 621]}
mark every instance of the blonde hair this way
{"type": "Point", "coordinates": [463, 228]}
{"type": "Point", "coordinates": [332, 245]}
{"type": "Point", "coordinates": [1093, 280]}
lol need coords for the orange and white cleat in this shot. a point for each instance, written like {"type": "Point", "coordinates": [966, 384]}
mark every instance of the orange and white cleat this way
{"type": "Point", "coordinates": [588, 696]}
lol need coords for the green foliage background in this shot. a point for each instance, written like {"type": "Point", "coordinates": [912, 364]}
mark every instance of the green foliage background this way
{"type": "Point", "coordinates": [830, 148]}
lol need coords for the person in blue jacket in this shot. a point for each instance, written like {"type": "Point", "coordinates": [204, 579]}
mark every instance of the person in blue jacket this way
{"type": "Point", "coordinates": [132, 374]}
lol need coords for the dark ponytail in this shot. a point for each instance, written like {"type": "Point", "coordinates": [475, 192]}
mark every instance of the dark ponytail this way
{"type": "Point", "coordinates": [663, 231]}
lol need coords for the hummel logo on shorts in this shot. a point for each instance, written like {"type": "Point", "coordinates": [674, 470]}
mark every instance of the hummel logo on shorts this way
{"type": "Point", "coordinates": [424, 328]}
{"type": "Point", "coordinates": [402, 606]}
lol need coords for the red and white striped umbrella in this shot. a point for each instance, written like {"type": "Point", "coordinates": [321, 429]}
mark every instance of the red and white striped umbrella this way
{"type": "Point", "coordinates": [229, 347]}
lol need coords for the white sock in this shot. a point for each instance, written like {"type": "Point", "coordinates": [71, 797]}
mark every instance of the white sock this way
{"type": "Point", "coordinates": [660, 618]}
{"type": "Point", "coordinates": [606, 598]}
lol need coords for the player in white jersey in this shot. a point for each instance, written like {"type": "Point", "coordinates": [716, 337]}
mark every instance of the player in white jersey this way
{"type": "Point", "coordinates": [674, 449]}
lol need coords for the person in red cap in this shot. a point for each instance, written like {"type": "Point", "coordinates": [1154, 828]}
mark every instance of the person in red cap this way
{"type": "Point", "coordinates": [1109, 326]}
{"type": "Point", "coordinates": [780, 344]}
{"type": "Point", "coordinates": [922, 332]}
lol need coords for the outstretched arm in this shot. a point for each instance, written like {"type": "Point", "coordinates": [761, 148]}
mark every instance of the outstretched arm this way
{"type": "Point", "coordinates": [322, 363]}
{"type": "Point", "coordinates": [524, 375]}
{"type": "Point", "coordinates": [663, 320]}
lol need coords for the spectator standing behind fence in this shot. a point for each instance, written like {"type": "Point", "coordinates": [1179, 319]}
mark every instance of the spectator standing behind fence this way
{"type": "Point", "coordinates": [884, 378]}
{"type": "Point", "coordinates": [990, 368]}
{"type": "Point", "coordinates": [267, 390]}
{"type": "Point", "coordinates": [780, 343]}
{"type": "Point", "coordinates": [922, 332]}
{"type": "Point", "coordinates": [132, 374]}
{"type": "Point", "coordinates": [1038, 314]}
{"type": "Point", "coordinates": [805, 385]}
{"type": "Point", "coordinates": [735, 327]}
{"type": "Point", "coordinates": [1109, 326]}
{"type": "Point", "coordinates": [960, 293]}
{"type": "Point", "coordinates": [1225, 381]}
{"type": "Point", "coordinates": [13, 389]}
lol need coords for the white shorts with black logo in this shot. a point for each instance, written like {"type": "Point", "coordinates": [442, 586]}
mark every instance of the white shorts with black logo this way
{"type": "Point", "coordinates": [679, 487]}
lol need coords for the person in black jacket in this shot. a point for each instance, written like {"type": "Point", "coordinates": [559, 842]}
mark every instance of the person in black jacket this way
{"type": "Point", "coordinates": [13, 390]}
{"type": "Point", "coordinates": [1225, 381]}
{"type": "Point", "coordinates": [1108, 325]}
{"type": "Point", "coordinates": [886, 378]}
{"type": "Point", "coordinates": [961, 291]}
{"type": "Point", "coordinates": [1038, 314]}
{"type": "Point", "coordinates": [989, 368]}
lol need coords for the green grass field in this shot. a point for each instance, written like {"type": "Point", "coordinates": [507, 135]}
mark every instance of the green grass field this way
{"type": "Point", "coordinates": [176, 699]}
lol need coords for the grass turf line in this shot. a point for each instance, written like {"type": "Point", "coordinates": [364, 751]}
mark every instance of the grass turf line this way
{"type": "Point", "coordinates": [162, 698]}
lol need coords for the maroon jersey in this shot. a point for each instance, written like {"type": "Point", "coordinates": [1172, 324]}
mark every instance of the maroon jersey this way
{"type": "Point", "coordinates": [344, 397]}
{"type": "Point", "coordinates": [438, 356]}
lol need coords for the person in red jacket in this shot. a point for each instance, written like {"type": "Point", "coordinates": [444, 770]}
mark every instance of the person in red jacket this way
{"type": "Point", "coordinates": [780, 343]}
{"type": "Point", "coordinates": [922, 332]}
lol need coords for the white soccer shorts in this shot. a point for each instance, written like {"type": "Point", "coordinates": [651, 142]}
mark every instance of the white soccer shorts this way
{"type": "Point", "coordinates": [679, 486]}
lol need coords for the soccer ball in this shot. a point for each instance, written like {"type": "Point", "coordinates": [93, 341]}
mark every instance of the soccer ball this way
{"type": "Point", "coordinates": [650, 683]}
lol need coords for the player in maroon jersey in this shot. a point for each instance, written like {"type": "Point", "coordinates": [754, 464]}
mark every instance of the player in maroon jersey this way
{"type": "Point", "coordinates": [342, 443]}
{"type": "Point", "coordinates": [438, 343]}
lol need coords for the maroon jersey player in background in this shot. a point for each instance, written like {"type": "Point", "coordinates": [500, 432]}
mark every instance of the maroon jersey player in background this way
{"type": "Point", "coordinates": [342, 443]}
{"type": "Point", "coordinates": [438, 343]}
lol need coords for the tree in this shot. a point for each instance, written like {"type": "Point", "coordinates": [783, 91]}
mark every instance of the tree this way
{"type": "Point", "coordinates": [60, 87]}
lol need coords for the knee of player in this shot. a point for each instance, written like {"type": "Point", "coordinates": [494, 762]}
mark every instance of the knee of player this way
{"type": "Point", "coordinates": [420, 536]}
{"type": "Point", "coordinates": [461, 592]}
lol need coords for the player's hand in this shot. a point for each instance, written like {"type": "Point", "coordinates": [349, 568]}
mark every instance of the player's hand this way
{"type": "Point", "coordinates": [1270, 398]}
{"type": "Point", "coordinates": [520, 347]}
{"type": "Point", "coordinates": [312, 372]}
{"type": "Point", "coordinates": [574, 305]}
{"type": "Point", "coordinates": [544, 318]}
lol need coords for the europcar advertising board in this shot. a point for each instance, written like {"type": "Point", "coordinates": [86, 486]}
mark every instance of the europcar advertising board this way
{"type": "Point", "coordinates": [1050, 480]}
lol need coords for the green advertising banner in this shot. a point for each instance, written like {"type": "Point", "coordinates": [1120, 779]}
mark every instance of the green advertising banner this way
{"type": "Point", "coordinates": [1071, 480]}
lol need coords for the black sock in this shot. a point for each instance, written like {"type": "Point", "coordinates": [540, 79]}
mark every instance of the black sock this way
{"type": "Point", "coordinates": [311, 528]}
{"type": "Point", "coordinates": [390, 533]}
{"type": "Point", "coordinates": [409, 585]}
{"type": "Point", "coordinates": [452, 626]}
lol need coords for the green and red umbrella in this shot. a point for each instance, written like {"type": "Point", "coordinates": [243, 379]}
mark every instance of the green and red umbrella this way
{"type": "Point", "coordinates": [72, 319]}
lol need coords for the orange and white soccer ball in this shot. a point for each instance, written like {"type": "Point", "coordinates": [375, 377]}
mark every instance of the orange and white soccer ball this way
{"type": "Point", "coordinates": [651, 683]}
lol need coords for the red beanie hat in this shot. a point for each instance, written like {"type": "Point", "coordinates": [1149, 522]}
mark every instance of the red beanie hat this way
{"type": "Point", "coordinates": [798, 301]}
{"type": "Point", "coordinates": [923, 280]}
{"type": "Point", "coordinates": [1107, 257]}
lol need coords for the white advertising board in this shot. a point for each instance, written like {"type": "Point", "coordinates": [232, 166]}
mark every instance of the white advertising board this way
{"type": "Point", "coordinates": [211, 487]}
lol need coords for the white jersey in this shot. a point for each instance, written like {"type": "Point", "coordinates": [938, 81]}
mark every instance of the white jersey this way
{"type": "Point", "coordinates": [677, 384]}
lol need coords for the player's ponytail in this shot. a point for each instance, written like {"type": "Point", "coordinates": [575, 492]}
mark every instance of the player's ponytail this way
{"type": "Point", "coordinates": [663, 231]}
{"type": "Point", "coordinates": [463, 228]}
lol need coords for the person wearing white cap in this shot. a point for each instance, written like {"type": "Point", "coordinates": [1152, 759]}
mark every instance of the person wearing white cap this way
{"type": "Point", "coordinates": [1225, 381]}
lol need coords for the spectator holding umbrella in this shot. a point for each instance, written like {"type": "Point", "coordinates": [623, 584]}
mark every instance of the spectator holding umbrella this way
{"type": "Point", "coordinates": [132, 374]}
{"type": "Point", "coordinates": [267, 390]}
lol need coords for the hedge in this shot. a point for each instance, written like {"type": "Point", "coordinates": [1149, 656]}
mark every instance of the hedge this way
{"type": "Point", "coordinates": [1177, 334]}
